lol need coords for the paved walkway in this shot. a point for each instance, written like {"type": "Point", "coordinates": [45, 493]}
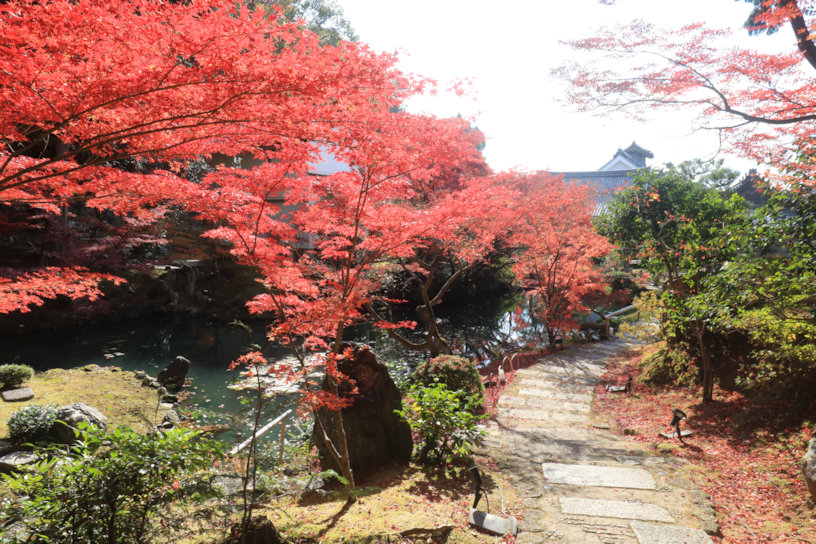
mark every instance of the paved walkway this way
{"type": "Point", "coordinates": [581, 482]}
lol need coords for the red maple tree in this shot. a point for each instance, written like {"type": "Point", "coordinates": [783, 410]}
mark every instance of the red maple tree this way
{"type": "Point", "coordinates": [762, 104]}
{"type": "Point", "coordinates": [558, 248]}
{"type": "Point", "coordinates": [357, 224]}
{"type": "Point", "coordinates": [86, 86]}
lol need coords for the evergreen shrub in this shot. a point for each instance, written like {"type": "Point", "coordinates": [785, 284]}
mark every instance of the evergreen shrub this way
{"type": "Point", "coordinates": [121, 487]}
{"type": "Point", "coordinates": [444, 420]}
{"type": "Point", "coordinates": [31, 423]}
{"type": "Point", "coordinates": [13, 375]}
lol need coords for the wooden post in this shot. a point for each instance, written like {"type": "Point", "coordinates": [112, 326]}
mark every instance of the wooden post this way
{"type": "Point", "coordinates": [282, 440]}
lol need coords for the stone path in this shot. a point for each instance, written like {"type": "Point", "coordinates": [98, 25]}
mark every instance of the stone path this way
{"type": "Point", "coordinates": [581, 482]}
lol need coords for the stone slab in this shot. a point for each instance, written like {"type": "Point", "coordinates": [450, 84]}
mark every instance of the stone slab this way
{"type": "Point", "coordinates": [544, 415]}
{"type": "Point", "coordinates": [560, 385]}
{"type": "Point", "coordinates": [570, 417]}
{"type": "Point", "coordinates": [615, 509]}
{"type": "Point", "coordinates": [555, 394]}
{"type": "Point", "coordinates": [652, 533]}
{"type": "Point", "coordinates": [494, 524]}
{"type": "Point", "coordinates": [512, 402]}
{"type": "Point", "coordinates": [578, 407]}
{"type": "Point", "coordinates": [18, 395]}
{"type": "Point", "coordinates": [598, 476]}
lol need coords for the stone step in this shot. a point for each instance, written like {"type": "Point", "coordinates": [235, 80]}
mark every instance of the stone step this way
{"type": "Point", "coordinates": [551, 393]}
{"type": "Point", "coordinates": [567, 387]}
{"type": "Point", "coordinates": [544, 415]}
{"type": "Point", "coordinates": [542, 403]}
{"type": "Point", "coordinates": [653, 533]}
{"type": "Point", "coordinates": [598, 476]}
{"type": "Point", "coordinates": [634, 510]}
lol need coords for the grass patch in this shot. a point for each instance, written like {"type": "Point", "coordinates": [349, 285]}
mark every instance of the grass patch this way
{"type": "Point", "coordinates": [118, 395]}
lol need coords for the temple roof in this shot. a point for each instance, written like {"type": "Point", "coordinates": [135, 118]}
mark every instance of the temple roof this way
{"type": "Point", "coordinates": [633, 156]}
{"type": "Point", "coordinates": [604, 184]}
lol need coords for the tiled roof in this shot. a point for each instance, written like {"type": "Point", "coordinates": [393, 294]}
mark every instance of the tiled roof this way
{"type": "Point", "coordinates": [604, 184]}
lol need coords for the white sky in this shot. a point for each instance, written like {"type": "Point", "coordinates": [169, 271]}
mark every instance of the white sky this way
{"type": "Point", "coordinates": [508, 49]}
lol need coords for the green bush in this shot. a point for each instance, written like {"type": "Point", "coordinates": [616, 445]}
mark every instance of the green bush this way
{"type": "Point", "coordinates": [457, 373]}
{"type": "Point", "coordinates": [111, 487]}
{"type": "Point", "coordinates": [31, 423]}
{"type": "Point", "coordinates": [667, 366]}
{"type": "Point", "coordinates": [445, 421]}
{"type": "Point", "coordinates": [14, 375]}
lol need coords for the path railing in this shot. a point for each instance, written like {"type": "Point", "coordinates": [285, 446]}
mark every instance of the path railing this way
{"type": "Point", "coordinates": [265, 429]}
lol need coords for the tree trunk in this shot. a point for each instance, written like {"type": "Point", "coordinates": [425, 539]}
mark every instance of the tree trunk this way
{"type": "Point", "coordinates": [339, 451]}
{"type": "Point", "coordinates": [708, 370]}
{"type": "Point", "coordinates": [551, 338]}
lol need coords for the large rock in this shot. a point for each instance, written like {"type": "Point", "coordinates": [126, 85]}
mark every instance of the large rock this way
{"type": "Point", "coordinates": [69, 417]}
{"type": "Point", "coordinates": [174, 375]}
{"type": "Point", "coordinates": [376, 435]}
{"type": "Point", "coordinates": [809, 467]}
{"type": "Point", "coordinates": [18, 395]}
{"type": "Point", "coordinates": [15, 460]}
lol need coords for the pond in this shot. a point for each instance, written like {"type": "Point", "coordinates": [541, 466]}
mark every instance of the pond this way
{"type": "Point", "coordinates": [150, 343]}
{"type": "Point", "coordinates": [147, 344]}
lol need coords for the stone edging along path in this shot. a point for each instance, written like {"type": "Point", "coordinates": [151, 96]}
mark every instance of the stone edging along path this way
{"type": "Point", "coordinates": [581, 482]}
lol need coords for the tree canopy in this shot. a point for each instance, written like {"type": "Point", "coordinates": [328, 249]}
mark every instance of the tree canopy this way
{"type": "Point", "coordinates": [87, 86]}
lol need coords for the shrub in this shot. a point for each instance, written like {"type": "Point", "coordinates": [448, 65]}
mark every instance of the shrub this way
{"type": "Point", "coordinates": [666, 366]}
{"type": "Point", "coordinates": [14, 375]}
{"type": "Point", "coordinates": [457, 373]}
{"type": "Point", "coordinates": [31, 423]}
{"type": "Point", "coordinates": [445, 421]}
{"type": "Point", "coordinates": [109, 486]}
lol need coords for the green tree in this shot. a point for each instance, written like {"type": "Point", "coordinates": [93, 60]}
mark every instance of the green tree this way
{"type": "Point", "coordinates": [323, 17]}
{"type": "Point", "coordinates": [767, 292]}
{"type": "Point", "coordinates": [679, 230]}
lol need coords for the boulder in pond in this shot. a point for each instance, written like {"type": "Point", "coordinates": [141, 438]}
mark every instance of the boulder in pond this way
{"type": "Point", "coordinates": [174, 375]}
{"type": "Point", "coordinates": [376, 435]}
{"type": "Point", "coordinates": [69, 417]}
{"type": "Point", "coordinates": [809, 467]}
{"type": "Point", "coordinates": [171, 417]}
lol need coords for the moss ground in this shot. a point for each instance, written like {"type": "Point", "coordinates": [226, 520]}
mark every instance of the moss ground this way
{"type": "Point", "coordinates": [114, 393]}
{"type": "Point", "coordinates": [395, 504]}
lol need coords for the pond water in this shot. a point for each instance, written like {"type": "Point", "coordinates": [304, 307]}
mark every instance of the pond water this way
{"type": "Point", "coordinates": [147, 344]}
{"type": "Point", "coordinates": [150, 343]}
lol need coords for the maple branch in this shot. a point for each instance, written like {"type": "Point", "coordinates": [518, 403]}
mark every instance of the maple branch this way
{"type": "Point", "coordinates": [723, 104]}
{"type": "Point", "coordinates": [393, 334]}
{"type": "Point", "coordinates": [804, 39]}
{"type": "Point", "coordinates": [201, 119]}
{"type": "Point", "coordinates": [456, 275]}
